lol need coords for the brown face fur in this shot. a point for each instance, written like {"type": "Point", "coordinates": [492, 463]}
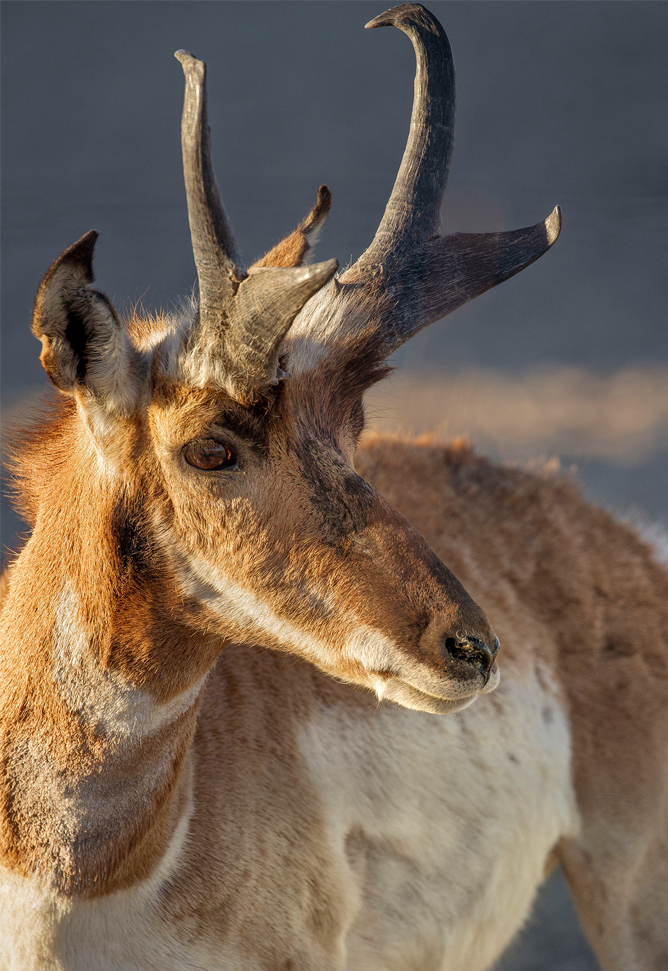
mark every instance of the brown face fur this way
{"type": "Point", "coordinates": [192, 517]}
{"type": "Point", "coordinates": [159, 564]}
{"type": "Point", "coordinates": [289, 547]}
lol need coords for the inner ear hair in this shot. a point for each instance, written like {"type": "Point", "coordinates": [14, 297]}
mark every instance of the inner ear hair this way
{"type": "Point", "coordinates": [84, 344]}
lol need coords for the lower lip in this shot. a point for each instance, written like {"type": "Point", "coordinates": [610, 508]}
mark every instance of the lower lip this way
{"type": "Point", "coordinates": [432, 704]}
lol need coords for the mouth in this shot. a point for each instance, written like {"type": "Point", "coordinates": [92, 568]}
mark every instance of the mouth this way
{"type": "Point", "coordinates": [408, 695]}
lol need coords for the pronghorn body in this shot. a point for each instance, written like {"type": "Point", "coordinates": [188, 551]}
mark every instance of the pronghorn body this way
{"type": "Point", "coordinates": [330, 833]}
{"type": "Point", "coordinates": [183, 784]}
{"type": "Point", "coordinates": [319, 827]}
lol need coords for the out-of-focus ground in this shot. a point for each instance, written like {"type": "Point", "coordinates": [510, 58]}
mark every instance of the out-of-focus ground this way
{"type": "Point", "coordinates": [621, 418]}
{"type": "Point", "coordinates": [610, 431]}
{"type": "Point", "coordinates": [557, 103]}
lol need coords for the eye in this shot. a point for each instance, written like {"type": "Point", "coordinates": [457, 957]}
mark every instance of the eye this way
{"type": "Point", "coordinates": [210, 456]}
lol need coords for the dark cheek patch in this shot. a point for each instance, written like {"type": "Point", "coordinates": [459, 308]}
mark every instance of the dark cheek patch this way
{"type": "Point", "coordinates": [341, 498]}
{"type": "Point", "coordinates": [132, 540]}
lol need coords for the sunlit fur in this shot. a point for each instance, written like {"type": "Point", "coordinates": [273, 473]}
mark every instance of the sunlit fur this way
{"type": "Point", "coordinates": [331, 831]}
{"type": "Point", "coordinates": [201, 764]}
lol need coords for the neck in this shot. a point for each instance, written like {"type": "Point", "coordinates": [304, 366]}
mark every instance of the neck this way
{"type": "Point", "coordinates": [99, 704]}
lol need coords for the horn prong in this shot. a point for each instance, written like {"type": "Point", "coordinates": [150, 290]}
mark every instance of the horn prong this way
{"type": "Point", "coordinates": [553, 225]}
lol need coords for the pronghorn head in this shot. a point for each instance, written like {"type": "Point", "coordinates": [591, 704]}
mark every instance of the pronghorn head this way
{"type": "Point", "coordinates": [216, 449]}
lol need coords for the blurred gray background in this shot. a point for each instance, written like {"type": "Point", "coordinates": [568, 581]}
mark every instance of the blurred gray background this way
{"type": "Point", "coordinates": [558, 102]}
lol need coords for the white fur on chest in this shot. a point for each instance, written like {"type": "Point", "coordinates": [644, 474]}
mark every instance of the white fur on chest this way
{"type": "Point", "coordinates": [41, 930]}
{"type": "Point", "coordinates": [439, 828]}
{"type": "Point", "coordinates": [447, 822]}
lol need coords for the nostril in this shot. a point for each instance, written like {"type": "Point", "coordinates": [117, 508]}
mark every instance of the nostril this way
{"type": "Point", "coordinates": [472, 650]}
{"type": "Point", "coordinates": [457, 647]}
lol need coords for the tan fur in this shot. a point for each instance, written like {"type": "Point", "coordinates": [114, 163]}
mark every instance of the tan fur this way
{"type": "Point", "coordinates": [261, 852]}
{"type": "Point", "coordinates": [202, 764]}
{"type": "Point", "coordinates": [160, 566]}
{"type": "Point", "coordinates": [4, 585]}
{"type": "Point", "coordinates": [296, 248]}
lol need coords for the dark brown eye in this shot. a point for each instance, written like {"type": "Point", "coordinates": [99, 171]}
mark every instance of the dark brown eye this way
{"type": "Point", "coordinates": [210, 456]}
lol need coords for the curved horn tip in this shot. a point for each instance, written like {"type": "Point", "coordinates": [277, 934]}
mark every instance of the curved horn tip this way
{"type": "Point", "coordinates": [553, 225]}
{"type": "Point", "coordinates": [188, 61]}
{"type": "Point", "coordinates": [404, 12]}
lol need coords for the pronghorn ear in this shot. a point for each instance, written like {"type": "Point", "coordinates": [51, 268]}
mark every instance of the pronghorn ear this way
{"type": "Point", "coordinates": [297, 248]}
{"type": "Point", "coordinates": [84, 344]}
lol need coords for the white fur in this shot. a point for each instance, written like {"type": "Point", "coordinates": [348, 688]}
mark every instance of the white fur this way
{"type": "Point", "coordinates": [247, 609]}
{"type": "Point", "coordinates": [337, 313]}
{"type": "Point", "coordinates": [439, 857]}
{"type": "Point", "coordinates": [102, 697]}
{"type": "Point", "coordinates": [43, 931]}
{"type": "Point", "coordinates": [443, 857]}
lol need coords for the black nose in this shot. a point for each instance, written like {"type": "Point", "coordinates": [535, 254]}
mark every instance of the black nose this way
{"type": "Point", "coordinates": [471, 650]}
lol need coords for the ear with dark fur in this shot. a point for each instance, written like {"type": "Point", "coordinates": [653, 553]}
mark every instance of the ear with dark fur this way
{"type": "Point", "coordinates": [84, 345]}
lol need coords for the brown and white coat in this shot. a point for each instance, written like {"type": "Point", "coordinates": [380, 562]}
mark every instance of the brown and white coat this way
{"type": "Point", "coordinates": [183, 783]}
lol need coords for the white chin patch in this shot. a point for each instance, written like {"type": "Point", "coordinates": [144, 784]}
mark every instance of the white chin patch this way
{"type": "Point", "coordinates": [408, 697]}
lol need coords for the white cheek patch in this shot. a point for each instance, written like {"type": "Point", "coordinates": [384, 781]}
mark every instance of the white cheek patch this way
{"type": "Point", "coordinates": [373, 649]}
{"type": "Point", "coordinates": [102, 697]}
{"type": "Point", "coordinates": [253, 615]}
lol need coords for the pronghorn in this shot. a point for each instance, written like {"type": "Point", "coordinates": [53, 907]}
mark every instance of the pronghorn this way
{"type": "Point", "coordinates": [184, 784]}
